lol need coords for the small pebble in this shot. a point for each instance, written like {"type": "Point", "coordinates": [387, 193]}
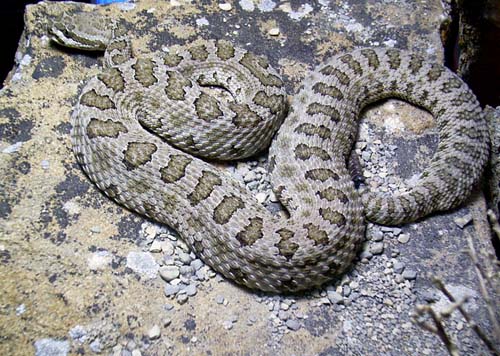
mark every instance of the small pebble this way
{"type": "Point", "coordinates": [190, 290]}
{"type": "Point", "coordinates": [95, 346]}
{"type": "Point", "coordinates": [45, 164]}
{"type": "Point", "coordinates": [170, 290]}
{"type": "Point", "coordinates": [168, 273]}
{"type": "Point", "coordinates": [185, 258]}
{"type": "Point", "coordinates": [409, 274]}
{"type": "Point", "coordinates": [156, 246]}
{"type": "Point", "coordinates": [182, 298]}
{"type": "Point", "coordinates": [227, 324]}
{"type": "Point", "coordinates": [225, 6]}
{"type": "Point", "coordinates": [292, 324]}
{"type": "Point", "coordinates": [378, 236]}
{"type": "Point", "coordinates": [377, 248]}
{"type": "Point", "coordinates": [335, 297]}
{"type": "Point", "coordinates": [463, 221]}
{"type": "Point", "coordinates": [261, 197]}
{"type": "Point", "coordinates": [197, 264]}
{"type": "Point", "coordinates": [154, 333]}
{"type": "Point", "coordinates": [219, 299]}
{"type": "Point", "coordinates": [403, 238]}
{"type": "Point", "coordinates": [275, 31]}
{"type": "Point", "coordinates": [398, 267]}
{"type": "Point", "coordinates": [136, 352]}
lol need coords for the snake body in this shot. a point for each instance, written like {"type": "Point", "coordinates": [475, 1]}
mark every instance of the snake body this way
{"type": "Point", "coordinates": [218, 218]}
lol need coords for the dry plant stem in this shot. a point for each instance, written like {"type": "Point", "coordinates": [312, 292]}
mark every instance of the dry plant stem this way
{"type": "Point", "coordinates": [464, 313]}
{"type": "Point", "coordinates": [484, 291]}
{"type": "Point", "coordinates": [494, 223]}
{"type": "Point", "coordinates": [437, 328]}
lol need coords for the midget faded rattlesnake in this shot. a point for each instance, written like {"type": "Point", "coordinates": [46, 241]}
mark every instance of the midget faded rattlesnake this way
{"type": "Point", "coordinates": [215, 215]}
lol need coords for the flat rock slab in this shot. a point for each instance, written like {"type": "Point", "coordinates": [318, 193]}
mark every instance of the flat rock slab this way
{"type": "Point", "coordinates": [81, 275]}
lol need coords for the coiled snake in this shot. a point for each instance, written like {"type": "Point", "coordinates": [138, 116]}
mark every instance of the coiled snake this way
{"type": "Point", "coordinates": [119, 109]}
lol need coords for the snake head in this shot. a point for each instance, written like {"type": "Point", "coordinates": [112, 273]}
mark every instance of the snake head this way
{"type": "Point", "coordinates": [81, 30]}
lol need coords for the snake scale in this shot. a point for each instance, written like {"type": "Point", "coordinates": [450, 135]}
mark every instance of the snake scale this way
{"type": "Point", "coordinates": [139, 123]}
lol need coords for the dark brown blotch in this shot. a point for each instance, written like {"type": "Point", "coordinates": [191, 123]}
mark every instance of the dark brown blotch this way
{"type": "Point", "coordinates": [144, 72]}
{"type": "Point", "coordinates": [205, 186]}
{"type": "Point", "coordinates": [244, 117]}
{"type": "Point", "coordinates": [207, 107]}
{"type": "Point", "coordinates": [226, 208]}
{"type": "Point", "coordinates": [333, 194]}
{"type": "Point", "coordinates": [327, 110]}
{"type": "Point", "coordinates": [92, 99]}
{"type": "Point", "coordinates": [329, 90]}
{"type": "Point", "coordinates": [175, 169]}
{"type": "Point", "coordinates": [286, 247]}
{"type": "Point", "coordinates": [353, 64]}
{"type": "Point", "coordinates": [342, 77]}
{"type": "Point", "coordinates": [333, 216]}
{"type": "Point", "coordinates": [175, 85]}
{"type": "Point", "coordinates": [321, 174]}
{"type": "Point", "coordinates": [225, 50]}
{"type": "Point", "coordinates": [138, 154]}
{"type": "Point", "coordinates": [394, 58]}
{"type": "Point", "coordinates": [435, 72]}
{"type": "Point", "coordinates": [112, 78]}
{"type": "Point", "coordinates": [304, 152]}
{"type": "Point", "coordinates": [251, 233]}
{"type": "Point", "coordinates": [275, 102]}
{"type": "Point", "coordinates": [372, 57]}
{"type": "Point", "coordinates": [314, 233]}
{"type": "Point", "coordinates": [199, 52]}
{"type": "Point", "coordinates": [258, 65]}
{"type": "Point", "coordinates": [108, 128]}
{"type": "Point", "coordinates": [310, 130]}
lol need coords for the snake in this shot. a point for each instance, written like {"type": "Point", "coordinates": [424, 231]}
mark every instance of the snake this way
{"type": "Point", "coordinates": [148, 130]}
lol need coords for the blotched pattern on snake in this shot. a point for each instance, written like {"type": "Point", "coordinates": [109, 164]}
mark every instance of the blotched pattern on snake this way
{"type": "Point", "coordinates": [126, 115]}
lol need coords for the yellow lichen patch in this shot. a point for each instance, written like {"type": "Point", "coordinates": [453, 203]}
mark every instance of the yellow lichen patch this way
{"type": "Point", "coordinates": [336, 42]}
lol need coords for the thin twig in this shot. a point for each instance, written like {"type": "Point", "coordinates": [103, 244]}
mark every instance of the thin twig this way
{"type": "Point", "coordinates": [437, 328]}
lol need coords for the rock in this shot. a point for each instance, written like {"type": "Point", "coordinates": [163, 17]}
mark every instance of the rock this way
{"type": "Point", "coordinates": [182, 298]}
{"type": "Point", "coordinates": [154, 333]}
{"type": "Point", "coordinates": [398, 267]}
{"type": "Point", "coordinates": [403, 238]}
{"type": "Point", "coordinates": [169, 273]}
{"type": "Point", "coordinates": [190, 290]}
{"type": "Point", "coordinates": [51, 347]}
{"type": "Point", "coordinates": [335, 297]}
{"type": "Point", "coordinates": [225, 6]}
{"type": "Point", "coordinates": [261, 197]}
{"type": "Point", "coordinates": [377, 236]}
{"type": "Point", "coordinates": [156, 246]}
{"type": "Point", "coordinates": [227, 324]}
{"type": "Point", "coordinates": [292, 324]}
{"type": "Point", "coordinates": [197, 264]}
{"type": "Point", "coordinates": [170, 290]}
{"type": "Point", "coordinates": [142, 263]}
{"type": "Point", "coordinates": [185, 258]}
{"type": "Point", "coordinates": [219, 299]}
{"type": "Point", "coordinates": [377, 248]}
{"type": "Point", "coordinates": [275, 31]}
{"type": "Point", "coordinates": [167, 248]}
{"type": "Point", "coordinates": [409, 274]}
{"type": "Point", "coordinates": [95, 346]}
{"type": "Point", "coordinates": [463, 220]}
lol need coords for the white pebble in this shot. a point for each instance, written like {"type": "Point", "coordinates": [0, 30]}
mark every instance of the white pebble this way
{"type": "Point", "coordinates": [225, 6]}
{"type": "Point", "coordinates": [154, 333]}
{"type": "Point", "coordinates": [274, 31]}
